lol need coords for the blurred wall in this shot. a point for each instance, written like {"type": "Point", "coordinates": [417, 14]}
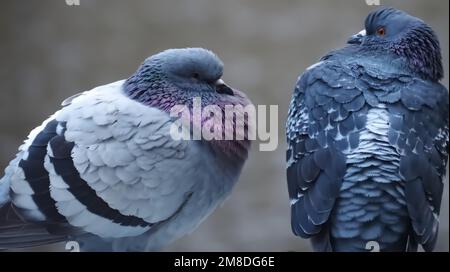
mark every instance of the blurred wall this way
{"type": "Point", "coordinates": [49, 51]}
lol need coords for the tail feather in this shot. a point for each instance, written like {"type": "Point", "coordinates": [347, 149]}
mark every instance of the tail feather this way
{"type": "Point", "coordinates": [322, 241]}
{"type": "Point", "coordinates": [15, 232]}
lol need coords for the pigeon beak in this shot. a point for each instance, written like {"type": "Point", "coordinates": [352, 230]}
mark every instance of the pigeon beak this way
{"type": "Point", "coordinates": [223, 88]}
{"type": "Point", "coordinates": [357, 38]}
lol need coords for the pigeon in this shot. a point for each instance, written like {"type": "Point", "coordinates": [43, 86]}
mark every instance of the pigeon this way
{"type": "Point", "coordinates": [106, 172]}
{"type": "Point", "coordinates": [367, 135]}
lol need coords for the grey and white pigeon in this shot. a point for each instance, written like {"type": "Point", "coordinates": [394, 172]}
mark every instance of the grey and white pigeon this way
{"type": "Point", "coordinates": [105, 171]}
{"type": "Point", "coordinates": [367, 137]}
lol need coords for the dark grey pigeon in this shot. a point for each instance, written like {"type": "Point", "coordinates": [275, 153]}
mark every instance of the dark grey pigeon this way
{"type": "Point", "coordinates": [367, 136]}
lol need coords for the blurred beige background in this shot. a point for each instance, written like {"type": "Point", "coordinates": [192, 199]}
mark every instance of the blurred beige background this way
{"type": "Point", "coordinates": [49, 51]}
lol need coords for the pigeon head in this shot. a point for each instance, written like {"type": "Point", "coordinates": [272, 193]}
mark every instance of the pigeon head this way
{"type": "Point", "coordinates": [193, 70]}
{"type": "Point", "coordinates": [392, 30]}
{"type": "Point", "coordinates": [189, 71]}
{"type": "Point", "coordinates": [176, 77]}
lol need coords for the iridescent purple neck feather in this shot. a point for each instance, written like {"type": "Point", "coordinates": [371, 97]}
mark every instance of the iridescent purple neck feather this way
{"type": "Point", "coordinates": [176, 77]}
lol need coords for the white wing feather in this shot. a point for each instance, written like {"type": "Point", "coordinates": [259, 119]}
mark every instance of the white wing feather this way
{"type": "Point", "coordinates": [124, 152]}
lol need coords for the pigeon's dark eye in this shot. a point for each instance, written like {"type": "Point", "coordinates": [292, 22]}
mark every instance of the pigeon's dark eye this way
{"type": "Point", "coordinates": [381, 31]}
{"type": "Point", "coordinates": [196, 75]}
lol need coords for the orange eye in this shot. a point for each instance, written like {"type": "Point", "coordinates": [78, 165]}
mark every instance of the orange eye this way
{"type": "Point", "coordinates": [381, 31]}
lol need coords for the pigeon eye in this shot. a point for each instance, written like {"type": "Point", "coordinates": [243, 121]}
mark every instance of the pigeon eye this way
{"type": "Point", "coordinates": [196, 75]}
{"type": "Point", "coordinates": [381, 31]}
